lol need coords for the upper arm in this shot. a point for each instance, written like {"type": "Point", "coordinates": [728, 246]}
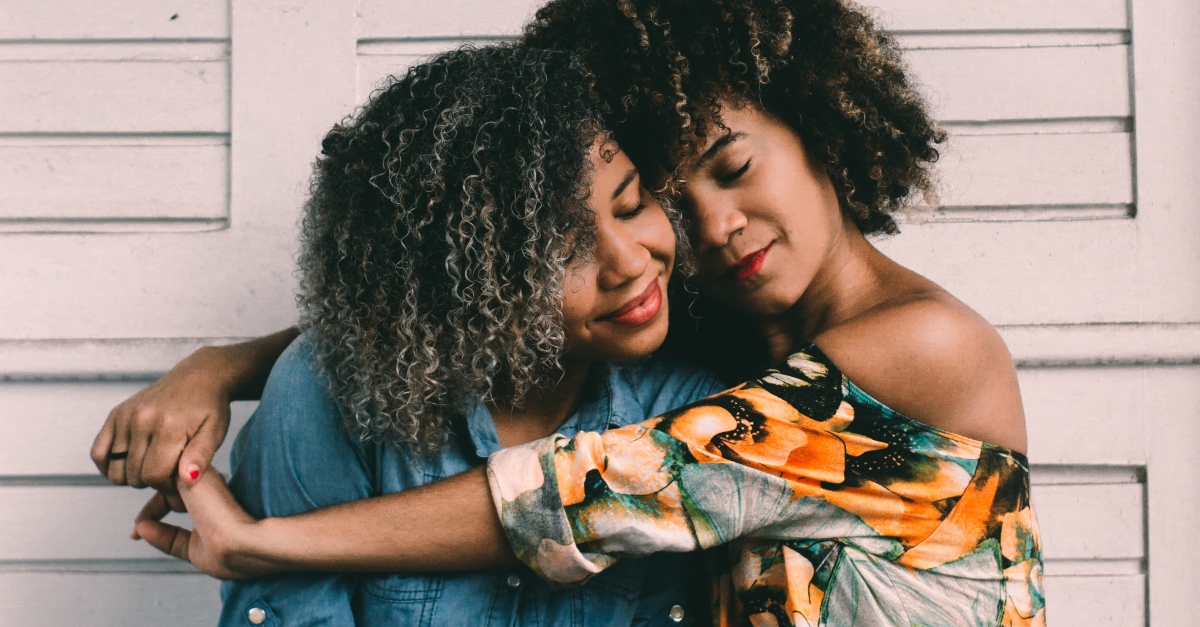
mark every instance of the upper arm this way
{"type": "Point", "coordinates": [935, 361]}
{"type": "Point", "coordinates": [294, 456]}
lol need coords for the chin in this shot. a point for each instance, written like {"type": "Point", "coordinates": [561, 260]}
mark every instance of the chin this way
{"type": "Point", "coordinates": [639, 344]}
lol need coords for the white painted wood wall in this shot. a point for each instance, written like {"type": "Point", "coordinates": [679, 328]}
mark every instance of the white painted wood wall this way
{"type": "Point", "coordinates": [154, 153]}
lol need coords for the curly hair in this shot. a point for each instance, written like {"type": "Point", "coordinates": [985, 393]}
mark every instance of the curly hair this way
{"type": "Point", "coordinates": [435, 241]}
{"type": "Point", "coordinates": [663, 67]}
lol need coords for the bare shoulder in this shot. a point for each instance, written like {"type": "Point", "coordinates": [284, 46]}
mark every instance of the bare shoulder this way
{"type": "Point", "coordinates": [930, 357]}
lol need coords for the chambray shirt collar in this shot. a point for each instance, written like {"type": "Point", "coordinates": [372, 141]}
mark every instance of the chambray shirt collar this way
{"type": "Point", "coordinates": [611, 403]}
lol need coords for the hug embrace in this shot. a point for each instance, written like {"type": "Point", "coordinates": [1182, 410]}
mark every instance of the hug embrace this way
{"type": "Point", "coordinates": [593, 335]}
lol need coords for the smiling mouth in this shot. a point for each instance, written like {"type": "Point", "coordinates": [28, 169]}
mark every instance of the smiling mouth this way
{"type": "Point", "coordinates": [642, 309]}
{"type": "Point", "coordinates": [749, 265]}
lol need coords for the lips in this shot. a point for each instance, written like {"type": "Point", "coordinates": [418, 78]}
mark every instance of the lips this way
{"type": "Point", "coordinates": [749, 265]}
{"type": "Point", "coordinates": [640, 310]}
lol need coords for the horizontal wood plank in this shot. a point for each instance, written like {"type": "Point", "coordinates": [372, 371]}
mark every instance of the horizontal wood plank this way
{"type": "Point", "coordinates": [114, 96]}
{"type": "Point", "coordinates": [163, 179]}
{"type": "Point", "coordinates": [1113, 601]}
{"type": "Point", "coordinates": [1093, 521]}
{"type": "Point", "coordinates": [1073, 415]}
{"type": "Point", "coordinates": [987, 84]}
{"type": "Point", "coordinates": [65, 523]}
{"type": "Point", "coordinates": [114, 19]}
{"type": "Point", "coordinates": [977, 15]}
{"type": "Point", "coordinates": [38, 522]}
{"type": "Point", "coordinates": [1030, 272]}
{"type": "Point", "coordinates": [387, 19]}
{"type": "Point", "coordinates": [108, 600]}
{"type": "Point", "coordinates": [47, 428]}
{"type": "Point", "coordinates": [1037, 170]}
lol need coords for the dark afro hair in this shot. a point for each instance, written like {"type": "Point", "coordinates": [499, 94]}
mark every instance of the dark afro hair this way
{"type": "Point", "coordinates": [820, 65]}
{"type": "Point", "coordinates": [434, 246]}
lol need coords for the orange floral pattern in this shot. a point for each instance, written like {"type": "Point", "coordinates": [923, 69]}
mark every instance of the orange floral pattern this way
{"type": "Point", "coordinates": [833, 509]}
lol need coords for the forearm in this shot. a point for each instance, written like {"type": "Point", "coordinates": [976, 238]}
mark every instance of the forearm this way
{"type": "Point", "coordinates": [445, 526]}
{"type": "Point", "coordinates": [242, 369]}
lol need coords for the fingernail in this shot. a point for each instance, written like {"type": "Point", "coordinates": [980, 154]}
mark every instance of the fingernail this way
{"type": "Point", "coordinates": [193, 472]}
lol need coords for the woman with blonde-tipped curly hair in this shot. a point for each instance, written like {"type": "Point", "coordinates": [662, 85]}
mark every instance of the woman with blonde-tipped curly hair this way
{"type": "Point", "coordinates": [873, 472]}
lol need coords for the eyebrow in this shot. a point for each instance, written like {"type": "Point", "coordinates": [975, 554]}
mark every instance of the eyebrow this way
{"type": "Point", "coordinates": [624, 183]}
{"type": "Point", "coordinates": [712, 151]}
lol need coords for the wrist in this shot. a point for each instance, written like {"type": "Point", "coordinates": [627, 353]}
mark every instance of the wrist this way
{"type": "Point", "coordinates": [216, 369]}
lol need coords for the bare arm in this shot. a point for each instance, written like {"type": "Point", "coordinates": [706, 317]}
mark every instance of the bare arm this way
{"type": "Point", "coordinates": [448, 525]}
{"type": "Point", "coordinates": [180, 420]}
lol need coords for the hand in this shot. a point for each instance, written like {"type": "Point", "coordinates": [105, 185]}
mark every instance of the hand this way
{"type": "Point", "coordinates": [177, 422]}
{"type": "Point", "coordinates": [223, 540]}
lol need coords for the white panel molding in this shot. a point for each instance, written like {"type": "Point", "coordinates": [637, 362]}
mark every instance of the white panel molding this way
{"type": "Point", "coordinates": [101, 566]}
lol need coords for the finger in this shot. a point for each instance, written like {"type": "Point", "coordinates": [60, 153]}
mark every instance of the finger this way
{"type": "Point", "coordinates": [103, 442]}
{"type": "Point", "coordinates": [176, 502]}
{"type": "Point", "coordinates": [159, 460]}
{"type": "Point", "coordinates": [141, 433]}
{"type": "Point", "coordinates": [120, 444]}
{"type": "Point", "coordinates": [167, 538]}
{"type": "Point", "coordinates": [201, 449]}
{"type": "Point", "coordinates": [155, 508]}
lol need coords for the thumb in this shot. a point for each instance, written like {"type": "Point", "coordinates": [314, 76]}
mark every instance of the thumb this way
{"type": "Point", "coordinates": [199, 452]}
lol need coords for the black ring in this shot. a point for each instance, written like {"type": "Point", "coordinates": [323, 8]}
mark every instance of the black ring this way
{"type": "Point", "coordinates": [112, 457]}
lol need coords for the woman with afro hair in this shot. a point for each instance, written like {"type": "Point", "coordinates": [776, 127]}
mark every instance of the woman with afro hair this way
{"type": "Point", "coordinates": [870, 468]}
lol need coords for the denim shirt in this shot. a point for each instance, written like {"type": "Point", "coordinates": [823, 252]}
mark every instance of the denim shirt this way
{"type": "Point", "coordinates": [294, 456]}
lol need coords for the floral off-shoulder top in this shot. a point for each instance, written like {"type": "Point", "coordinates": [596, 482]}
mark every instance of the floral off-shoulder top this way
{"type": "Point", "coordinates": [835, 510]}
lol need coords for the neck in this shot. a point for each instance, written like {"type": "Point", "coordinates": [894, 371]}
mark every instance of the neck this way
{"type": "Point", "coordinates": [849, 281]}
{"type": "Point", "coordinates": [542, 411]}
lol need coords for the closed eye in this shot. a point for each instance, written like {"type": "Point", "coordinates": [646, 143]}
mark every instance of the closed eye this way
{"type": "Point", "coordinates": [633, 213]}
{"type": "Point", "coordinates": [733, 176]}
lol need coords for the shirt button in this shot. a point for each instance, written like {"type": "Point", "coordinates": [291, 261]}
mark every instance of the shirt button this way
{"type": "Point", "coordinates": [677, 613]}
{"type": "Point", "coordinates": [256, 615]}
{"type": "Point", "coordinates": [514, 581]}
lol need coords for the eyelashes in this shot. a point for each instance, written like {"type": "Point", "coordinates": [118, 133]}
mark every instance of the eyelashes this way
{"type": "Point", "coordinates": [735, 175]}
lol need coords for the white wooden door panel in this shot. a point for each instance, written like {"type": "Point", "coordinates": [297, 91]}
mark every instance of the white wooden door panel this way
{"type": "Point", "coordinates": [46, 427]}
{"type": "Point", "coordinates": [1113, 601]}
{"type": "Point", "coordinates": [1053, 272]}
{"type": "Point", "coordinates": [1074, 415]}
{"type": "Point", "coordinates": [113, 179]}
{"type": "Point", "coordinates": [51, 20]}
{"type": "Point", "coordinates": [390, 19]}
{"type": "Point", "coordinates": [108, 599]}
{"type": "Point", "coordinates": [40, 523]}
{"type": "Point", "coordinates": [154, 156]}
{"type": "Point", "coordinates": [1037, 170]}
{"type": "Point", "coordinates": [114, 96]}
{"type": "Point", "coordinates": [1026, 83]}
{"type": "Point", "coordinates": [1091, 522]}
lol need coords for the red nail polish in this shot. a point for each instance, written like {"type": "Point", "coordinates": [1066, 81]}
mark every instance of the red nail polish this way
{"type": "Point", "coordinates": [193, 473]}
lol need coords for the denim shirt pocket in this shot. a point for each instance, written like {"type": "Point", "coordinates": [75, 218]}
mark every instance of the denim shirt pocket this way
{"type": "Point", "coordinates": [400, 599]}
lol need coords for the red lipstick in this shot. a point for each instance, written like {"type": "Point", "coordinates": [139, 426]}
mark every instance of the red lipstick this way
{"type": "Point", "coordinates": [642, 309]}
{"type": "Point", "coordinates": [749, 265]}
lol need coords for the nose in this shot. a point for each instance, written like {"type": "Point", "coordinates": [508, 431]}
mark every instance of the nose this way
{"type": "Point", "coordinates": [714, 221]}
{"type": "Point", "coordinates": [621, 257]}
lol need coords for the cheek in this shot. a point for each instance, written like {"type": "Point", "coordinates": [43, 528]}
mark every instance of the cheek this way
{"type": "Point", "coordinates": [579, 298]}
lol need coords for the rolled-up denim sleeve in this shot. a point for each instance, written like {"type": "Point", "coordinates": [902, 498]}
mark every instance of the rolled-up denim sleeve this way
{"type": "Point", "coordinates": [293, 456]}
